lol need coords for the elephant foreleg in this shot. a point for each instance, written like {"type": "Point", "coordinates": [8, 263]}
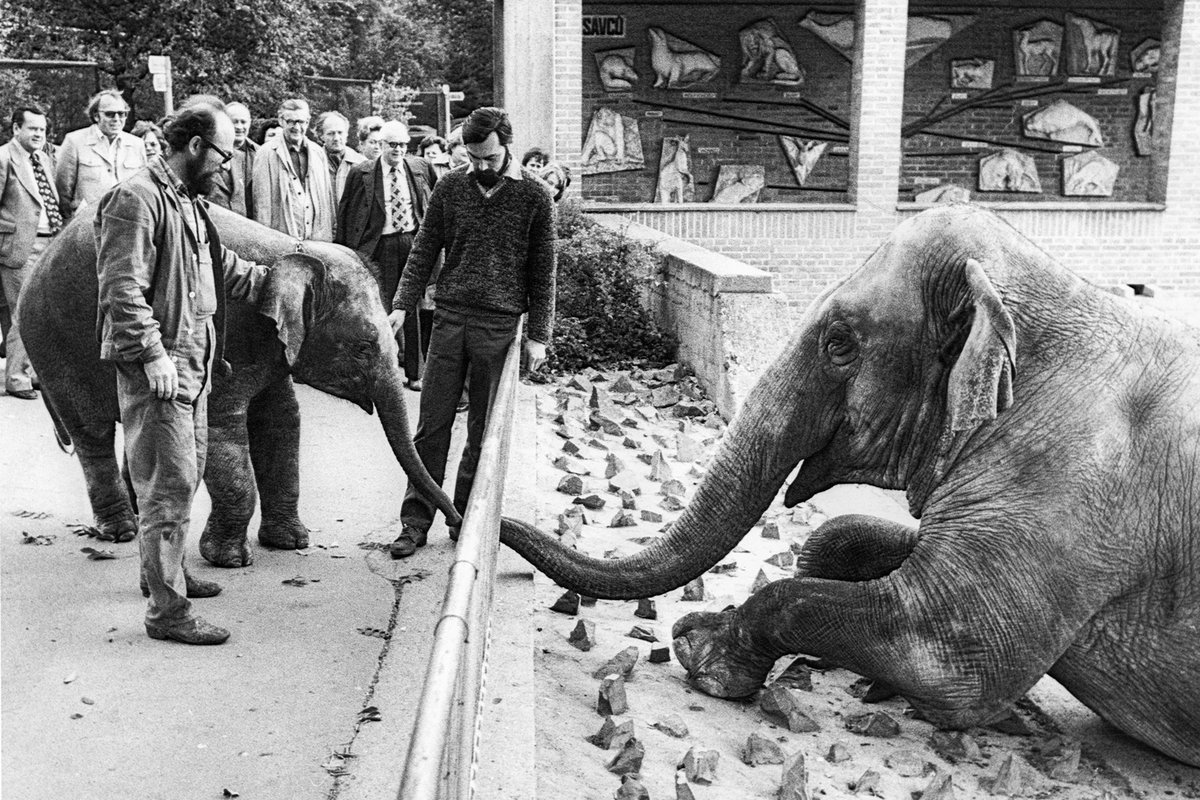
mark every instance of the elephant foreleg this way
{"type": "Point", "coordinates": [114, 513]}
{"type": "Point", "coordinates": [949, 628]}
{"type": "Point", "coordinates": [230, 482]}
{"type": "Point", "coordinates": [855, 548]}
{"type": "Point", "coordinates": [274, 430]}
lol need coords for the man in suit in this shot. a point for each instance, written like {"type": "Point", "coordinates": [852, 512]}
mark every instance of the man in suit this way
{"type": "Point", "coordinates": [30, 215]}
{"type": "Point", "coordinates": [232, 186]}
{"type": "Point", "coordinates": [291, 185]}
{"type": "Point", "coordinates": [333, 129]}
{"type": "Point", "coordinates": [94, 159]}
{"type": "Point", "coordinates": [379, 217]}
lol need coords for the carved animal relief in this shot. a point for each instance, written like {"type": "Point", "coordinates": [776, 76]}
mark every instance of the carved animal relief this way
{"type": "Point", "coordinates": [616, 69]}
{"type": "Point", "coordinates": [802, 156]}
{"type": "Point", "coordinates": [1143, 126]}
{"type": "Point", "coordinates": [1091, 47]}
{"type": "Point", "coordinates": [675, 183]}
{"type": "Point", "coordinates": [1062, 122]}
{"type": "Point", "coordinates": [613, 144]}
{"type": "Point", "coordinates": [946, 193]}
{"type": "Point", "coordinates": [739, 183]}
{"type": "Point", "coordinates": [835, 30]}
{"type": "Point", "coordinates": [971, 73]}
{"type": "Point", "coordinates": [767, 57]}
{"type": "Point", "coordinates": [1089, 175]}
{"type": "Point", "coordinates": [679, 64]}
{"type": "Point", "coordinates": [926, 34]}
{"type": "Point", "coordinates": [1009, 171]}
{"type": "Point", "coordinates": [1144, 58]}
{"type": "Point", "coordinates": [1037, 48]}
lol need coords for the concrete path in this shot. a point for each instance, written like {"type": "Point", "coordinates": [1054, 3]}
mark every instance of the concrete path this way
{"type": "Point", "coordinates": [92, 708]}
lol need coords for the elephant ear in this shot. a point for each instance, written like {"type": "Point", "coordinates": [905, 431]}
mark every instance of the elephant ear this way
{"type": "Point", "coordinates": [289, 296]}
{"type": "Point", "coordinates": [980, 385]}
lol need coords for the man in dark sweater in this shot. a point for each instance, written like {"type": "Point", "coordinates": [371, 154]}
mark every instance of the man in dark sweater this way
{"type": "Point", "coordinates": [495, 222]}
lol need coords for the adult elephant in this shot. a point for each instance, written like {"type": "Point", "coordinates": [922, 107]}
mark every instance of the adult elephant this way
{"type": "Point", "coordinates": [320, 322]}
{"type": "Point", "coordinates": [1047, 435]}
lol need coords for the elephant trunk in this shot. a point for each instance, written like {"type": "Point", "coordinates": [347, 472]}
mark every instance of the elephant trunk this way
{"type": "Point", "coordinates": [388, 397]}
{"type": "Point", "coordinates": [759, 450]}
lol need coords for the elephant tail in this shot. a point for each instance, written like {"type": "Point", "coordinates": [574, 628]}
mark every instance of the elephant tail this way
{"type": "Point", "coordinates": [61, 435]}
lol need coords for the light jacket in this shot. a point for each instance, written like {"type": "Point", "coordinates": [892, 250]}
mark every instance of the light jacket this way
{"type": "Point", "coordinates": [151, 293]}
{"type": "Point", "coordinates": [87, 169]}
{"type": "Point", "coordinates": [303, 209]}
{"type": "Point", "coordinates": [20, 203]}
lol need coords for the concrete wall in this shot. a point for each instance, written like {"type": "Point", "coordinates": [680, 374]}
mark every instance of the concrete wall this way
{"type": "Point", "coordinates": [729, 321]}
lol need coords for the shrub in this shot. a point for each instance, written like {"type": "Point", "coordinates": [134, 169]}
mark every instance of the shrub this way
{"type": "Point", "coordinates": [600, 321]}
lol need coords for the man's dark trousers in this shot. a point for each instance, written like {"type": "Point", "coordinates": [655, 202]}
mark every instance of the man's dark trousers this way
{"type": "Point", "coordinates": [463, 343]}
{"type": "Point", "coordinates": [390, 255]}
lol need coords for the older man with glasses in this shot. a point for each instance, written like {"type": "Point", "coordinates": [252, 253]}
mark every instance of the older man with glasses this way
{"type": "Point", "coordinates": [292, 190]}
{"type": "Point", "coordinates": [92, 160]}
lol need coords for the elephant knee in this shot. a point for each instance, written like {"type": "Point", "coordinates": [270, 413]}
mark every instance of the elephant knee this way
{"type": "Point", "coordinates": [855, 548]}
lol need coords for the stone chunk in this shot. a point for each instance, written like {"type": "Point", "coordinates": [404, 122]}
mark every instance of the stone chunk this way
{"type": "Point", "coordinates": [685, 408]}
{"type": "Point", "coordinates": [782, 704]}
{"type": "Point", "coordinates": [646, 609]}
{"type": "Point", "coordinates": [584, 600]}
{"type": "Point", "coordinates": [724, 568]}
{"type": "Point", "coordinates": [701, 767]}
{"type": "Point", "coordinates": [629, 442]}
{"type": "Point", "coordinates": [664, 396]}
{"type": "Point", "coordinates": [659, 654]}
{"type": "Point", "coordinates": [651, 516]}
{"type": "Point", "coordinates": [581, 383]}
{"type": "Point", "coordinates": [794, 784]}
{"type": "Point", "coordinates": [867, 783]}
{"type": "Point", "coordinates": [940, 788]}
{"type": "Point", "coordinates": [570, 523]}
{"type": "Point", "coordinates": [625, 482]}
{"type": "Point", "coordinates": [622, 385]}
{"type": "Point", "coordinates": [611, 734]}
{"type": "Point", "coordinates": [838, 752]}
{"type": "Point", "coordinates": [612, 700]}
{"type": "Point", "coordinates": [682, 790]}
{"type": "Point", "coordinates": [592, 501]}
{"type": "Point", "coordinates": [907, 763]}
{"type": "Point", "coordinates": [623, 519]}
{"type": "Point", "coordinates": [876, 724]}
{"type": "Point", "coordinates": [1059, 758]}
{"type": "Point", "coordinates": [607, 424]}
{"type": "Point", "coordinates": [760, 581]}
{"type": "Point", "coordinates": [628, 501]}
{"type": "Point", "coordinates": [583, 636]}
{"type": "Point", "coordinates": [571, 484]}
{"type": "Point", "coordinates": [760, 750]}
{"type": "Point", "coordinates": [671, 503]}
{"type": "Point", "coordinates": [673, 726]}
{"type": "Point", "coordinates": [568, 603]}
{"type": "Point", "coordinates": [673, 487]}
{"type": "Point", "coordinates": [597, 444]}
{"type": "Point", "coordinates": [570, 448]}
{"type": "Point", "coordinates": [1013, 779]}
{"type": "Point", "coordinates": [621, 664]}
{"type": "Point", "coordinates": [796, 676]}
{"type": "Point", "coordinates": [687, 449]}
{"type": "Point", "coordinates": [643, 633]}
{"type": "Point", "coordinates": [694, 591]}
{"type": "Point", "coordinates": [599, 400]}
{"type": "Point", "coordinates": [629, 760]}
{"type": "Point", "coordinates": [612, 465]}
{"type": "Point", "coordinates": [660, 470]}
{"type": "Point", "coordinates": [572, 466]}
{"type": "Point", "coordinates": [631, 789]}
{"type": "Point", "coordinates": [770, 530]}
{"type": "Point", "coordinates": [784, 560]}
{"type": "Point", "coordinates": [954, 746]}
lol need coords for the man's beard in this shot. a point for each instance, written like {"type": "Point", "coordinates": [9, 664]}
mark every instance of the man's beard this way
{"type": "Point", "coordinates": [196, 181]}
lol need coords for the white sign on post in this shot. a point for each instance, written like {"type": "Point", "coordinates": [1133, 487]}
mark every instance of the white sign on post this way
{"type": "Point", "coordinates": [159, 65]}
{"type": "Point", "coordinates": [160, 81]}
{"type": "Point", "coordinates": [455, 96]}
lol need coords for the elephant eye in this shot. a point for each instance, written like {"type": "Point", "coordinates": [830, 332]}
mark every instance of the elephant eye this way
{"type": "Point", "coordinates": [840, 344]}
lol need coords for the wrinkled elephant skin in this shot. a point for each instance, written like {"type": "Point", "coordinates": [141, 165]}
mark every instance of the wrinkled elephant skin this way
{"type": "Point", "coordinates": [320, 321]}
{"type": "Point", "coordinates": [1047, 434]}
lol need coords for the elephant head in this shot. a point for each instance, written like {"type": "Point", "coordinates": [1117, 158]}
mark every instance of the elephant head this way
{"type": "Point", "coordinates": [888, 374]}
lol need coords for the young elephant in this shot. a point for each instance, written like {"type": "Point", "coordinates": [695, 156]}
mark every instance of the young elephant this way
{"type": "Point", "coordinates": [320, 322]}
{"type": "Point", "coordinates": [1048, 436]}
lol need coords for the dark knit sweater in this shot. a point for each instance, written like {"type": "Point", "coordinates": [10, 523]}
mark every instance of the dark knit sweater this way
{"type": "Point", "coordinates": [499, 251]}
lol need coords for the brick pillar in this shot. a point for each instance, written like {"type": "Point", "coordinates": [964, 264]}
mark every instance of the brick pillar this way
{"type": "Point", "coordinates": [881, 30]}
{"type": "Point", "coordinates": [568, 87]}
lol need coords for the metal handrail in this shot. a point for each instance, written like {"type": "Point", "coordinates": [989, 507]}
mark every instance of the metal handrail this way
{"type": "Point", "coordinates": [439, 766]}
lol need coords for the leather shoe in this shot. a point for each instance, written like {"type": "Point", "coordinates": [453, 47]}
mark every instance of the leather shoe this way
{"type": "Point", "coordinates": [413, 385]}
{"type": "Point", "coordinates": [196, 588]}
{"type": "Point", "coordinates": [24, 394]}
{"type": "Point", "coordinates": [191, 631]}
{"type": "Point", "coordinates": [410, 538]}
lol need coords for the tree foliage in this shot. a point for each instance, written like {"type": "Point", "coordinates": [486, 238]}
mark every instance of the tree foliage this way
{"type": "Point", "coordinates": [257, 51]}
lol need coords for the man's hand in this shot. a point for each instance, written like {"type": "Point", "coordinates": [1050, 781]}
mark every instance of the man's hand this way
{"type": "Point", "coordinates": [535, 354]}
{"type": "Point", "coordinates": [163, 377]}
{"type": "Point", "coordinates": [396, 320]}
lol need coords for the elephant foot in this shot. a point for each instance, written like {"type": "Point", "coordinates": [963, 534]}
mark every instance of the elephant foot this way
{"type": "Point", "coordinates": [283, 534]}
{"type": "Point", "coordinates": [122, 529]}
{"type": "Point", "coordinates": [717, 660]}
{"type": "Point", "coordinates": [224, 547]}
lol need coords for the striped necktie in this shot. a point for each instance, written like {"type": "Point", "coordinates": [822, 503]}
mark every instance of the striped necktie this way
{"type": "Point", "coordinates": [399, 203]}
{"type": "Point", "coordinates": [49, 201]}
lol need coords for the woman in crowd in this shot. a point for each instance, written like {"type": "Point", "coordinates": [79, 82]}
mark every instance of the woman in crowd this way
{"type": "Point", "coordinates": [151, 136]}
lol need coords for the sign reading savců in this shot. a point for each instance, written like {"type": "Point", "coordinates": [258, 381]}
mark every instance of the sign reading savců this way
{"type": "Point", "coordinates": [607, 26]}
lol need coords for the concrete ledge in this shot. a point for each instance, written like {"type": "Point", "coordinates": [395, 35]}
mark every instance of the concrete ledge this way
{"type": "Point", "coordinates": [755, 208]}
{"type": "Point", "coordinates": [1058, 205]}
{"type": "Point", "coordinates": [726, 315]}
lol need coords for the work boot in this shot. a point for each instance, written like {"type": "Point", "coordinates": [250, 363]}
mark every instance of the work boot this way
{"type": "Point", "coordinates": [411, 537]}
{"type": "Point", "coordinates": [191, 631]}
{"type": "Point", "coordinates": [196, 588]}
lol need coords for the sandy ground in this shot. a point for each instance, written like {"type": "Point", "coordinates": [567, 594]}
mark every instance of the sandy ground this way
{"type": "Point", "coordinates": [1112, 765]}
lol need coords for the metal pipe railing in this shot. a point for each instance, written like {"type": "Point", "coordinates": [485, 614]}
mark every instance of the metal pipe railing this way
{"type": "Point", "coordinates": [440, 766]}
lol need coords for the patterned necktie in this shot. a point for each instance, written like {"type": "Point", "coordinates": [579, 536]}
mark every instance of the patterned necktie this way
{"type": "Point", "coordinates": [49, 201]}
{"type": "Point", "coordinates": [398, 202]}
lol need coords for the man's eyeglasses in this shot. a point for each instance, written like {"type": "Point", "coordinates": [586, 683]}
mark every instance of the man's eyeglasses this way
{"type": "Point", "coordinates": [225, 155]}
{"type": "Point", "coordinates": [114, 114]}
{"type": "Point", "coordinates": [292, 123]}
{"type": "Point", "coordinates": [396, 145]}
